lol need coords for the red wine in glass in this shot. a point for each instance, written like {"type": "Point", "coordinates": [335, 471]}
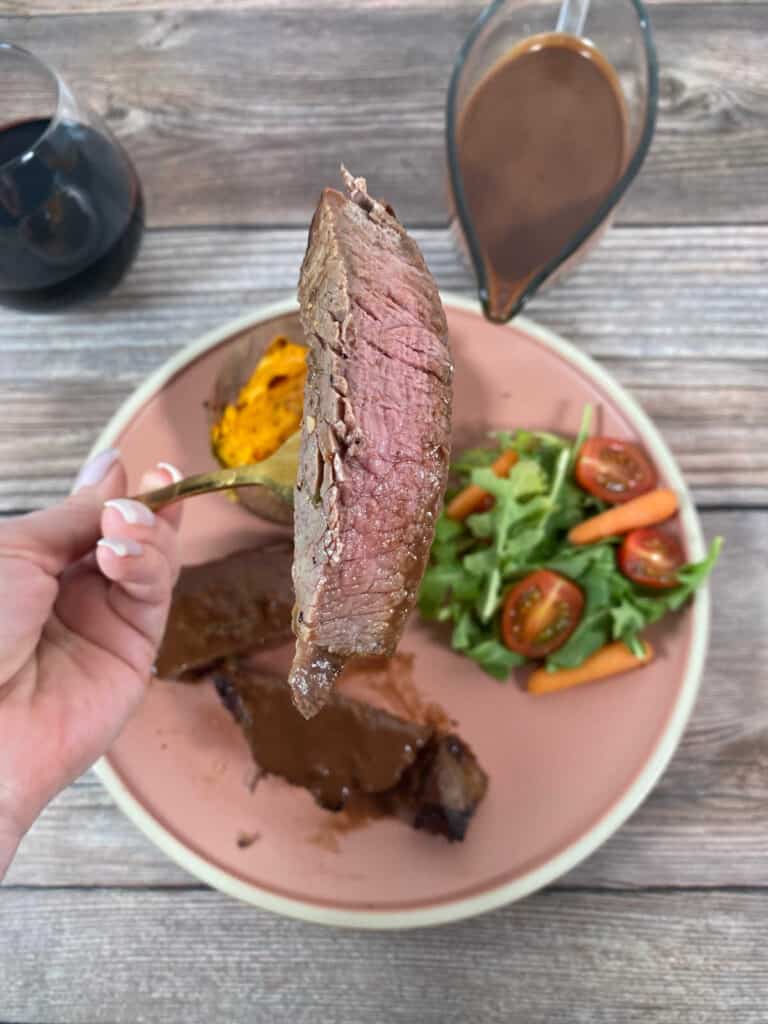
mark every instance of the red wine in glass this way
{"type": "Point", "coordinates": [71, 208]}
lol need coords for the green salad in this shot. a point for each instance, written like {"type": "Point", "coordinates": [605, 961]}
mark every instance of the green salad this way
{"type": "Point", "coordinates": [511, 583]}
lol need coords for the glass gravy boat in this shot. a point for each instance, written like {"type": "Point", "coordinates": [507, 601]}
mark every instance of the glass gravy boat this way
{"type": "Point", "coordinates": [620, 31]}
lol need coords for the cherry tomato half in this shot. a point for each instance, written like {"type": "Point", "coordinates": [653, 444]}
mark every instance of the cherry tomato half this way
{"type": "Point", "coordinates": [651, 557]}
{"type": "Point", "coordinates": [540, 613]}
{"type": "Point", "coordinates": [614, 470]}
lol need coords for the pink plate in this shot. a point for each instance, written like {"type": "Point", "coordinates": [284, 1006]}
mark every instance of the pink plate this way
{"type": "Point", "coordinates": [566, 770]}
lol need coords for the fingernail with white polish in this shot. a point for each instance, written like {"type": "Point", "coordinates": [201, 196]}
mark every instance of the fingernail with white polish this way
{"type": "Point", "coordinates": [121, 548]}
{"type": "Point", "coordinates": [173, 473]}
{"type": "Point", "coordinates": [133, 512]}
{"type": "Point", "coordinates": [94, 471]}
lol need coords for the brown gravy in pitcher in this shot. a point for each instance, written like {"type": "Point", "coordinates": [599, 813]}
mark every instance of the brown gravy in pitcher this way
{"type": "Point", "coordinates": [541, 141]}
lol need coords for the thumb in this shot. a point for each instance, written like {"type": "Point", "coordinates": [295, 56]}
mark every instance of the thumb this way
{"type": "Point", "coordinates": [56, 537]}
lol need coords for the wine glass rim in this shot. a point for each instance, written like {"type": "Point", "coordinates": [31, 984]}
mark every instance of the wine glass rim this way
{"type": "Point", "coordinates": [59, 89]}
{"type": "Point", "coordinates": [605, 208]}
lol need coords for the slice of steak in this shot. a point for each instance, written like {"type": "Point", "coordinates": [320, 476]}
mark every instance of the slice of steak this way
{"type": "Point", "coordinates": [410, 769]}
{"type": "Point", "coordinates": [375, 437]}
{"type": "Point", "coordinates": [230, 606]}
{"type": "Point", "coordinates": [349, 747]}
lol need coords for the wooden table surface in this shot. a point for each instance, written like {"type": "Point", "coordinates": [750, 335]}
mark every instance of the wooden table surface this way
{"type": "Point", "coordinates": [236, 114]}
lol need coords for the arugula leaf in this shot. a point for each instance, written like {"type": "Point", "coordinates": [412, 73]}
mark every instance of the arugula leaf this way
{"type": "Point", "coordinates": [495, 659]}
{"type": "Point", "coordinates": [445, 553]}
{"type": "Point", "coordinates": [440, 582]}
{"type": "Point", "coordinates": [447, 530]}
{"type": "Point", "coordinates": [573, 561]}
{"type": "Point", "coordinates": [492, 595]}
{"type": "Point", "coordinates": [635, 644]}
{"type": "Point", "coordinates": [526, 478]}
{"type": "Point", "coordinates": [626, 620]}
{"type": "Point", "coordinates": [525, 547]}
{"type": "Point", "coordinates": [480, 525]}
{"type": "Point", "coordinates": [474, 458]}
{"type": "Point", "coordinates": [466, 632]}
{"type": "Point", "coordinates": [691, 576]}
{"type": "Point", "coordinates": [581, 436]}
{"type": "Point", "coordinates": [525, 442]}
{"type": "Point", "coordinates": [480, 563]}
{"type": "Point", "coordinates": [549, 505]}
{"type": "Point", "coordinates": [590, 635]}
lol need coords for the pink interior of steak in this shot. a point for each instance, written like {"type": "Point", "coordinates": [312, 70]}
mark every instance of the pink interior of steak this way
{"type": "Point", "coordinates": [375, 437]}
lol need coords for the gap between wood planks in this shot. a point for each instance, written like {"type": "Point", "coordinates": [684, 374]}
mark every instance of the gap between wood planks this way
{"type": "Point", "coordinates": [412, 225]}
{"type": "Point", "coordinates": [597, 890]}
{"type": "Point", "coordinates": [24, 8]}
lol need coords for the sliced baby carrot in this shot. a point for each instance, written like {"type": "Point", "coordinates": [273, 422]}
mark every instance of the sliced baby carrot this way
{"type": "Point", "coordinates": [473, 498]}
{"type": "Point", "coordinates": [608, 661]}
{"type": "Point", "coordinates": [646, 510]}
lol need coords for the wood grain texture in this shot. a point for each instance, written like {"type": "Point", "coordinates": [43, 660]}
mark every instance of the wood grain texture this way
{"type": "Point", "coordinates": [239, 115]}
{"type": "Point", "coordinates": [678, 314]}
{"type": "Point", "coordinates": [655, 958]}
{"type": "Point", "coordinates": [706, 823]}
{"type": "Point", "coordinates": [35, 7]}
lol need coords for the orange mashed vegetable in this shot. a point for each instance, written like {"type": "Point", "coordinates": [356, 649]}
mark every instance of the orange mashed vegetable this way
{"type": "Point", "coordinates": [268, 409]}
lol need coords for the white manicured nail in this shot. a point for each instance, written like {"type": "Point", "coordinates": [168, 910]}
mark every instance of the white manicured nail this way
{"type": "Point", "coordinates": [175, 474]}
{"type": "Point", "coordinates": [133, 512]}
{"type": "Point", "coordinates": [123, 548]}
{"type": "Point", "coordinates": [94, 471]}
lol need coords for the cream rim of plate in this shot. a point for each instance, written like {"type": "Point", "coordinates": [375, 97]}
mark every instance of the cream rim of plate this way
{"type": "Point", "coordinates": [577, 851]}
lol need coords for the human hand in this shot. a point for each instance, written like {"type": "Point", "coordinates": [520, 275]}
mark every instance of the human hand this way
{"type": "Point", "coordinates": [80, 621]}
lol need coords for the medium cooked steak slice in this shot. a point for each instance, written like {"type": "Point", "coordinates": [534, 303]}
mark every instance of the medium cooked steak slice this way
{"type": "Point", "coordinates": [408, 768]}
{"type": "Point", "coordinates": [229, 606]}
{"type": "Point", "coordinates": [375, 437]}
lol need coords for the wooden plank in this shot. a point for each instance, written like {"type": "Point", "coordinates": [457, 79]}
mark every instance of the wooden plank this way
{"type": "Point", "coordinates": [26, 8]}
{"type": "Point", "coordinates": [679, 292]}
{"type": "Point", "coordinates": [710, 145]}
{"type": "Point", "coordinates": [239, 115]}
{"type": "Point", "coordinates": [36, 7]}
{"type": "Point", "coordinates": [655, 958]}
{"type": "Point", "coordinates": [706, 823]}
{"type": "Point", "coordinates": [678, 314]}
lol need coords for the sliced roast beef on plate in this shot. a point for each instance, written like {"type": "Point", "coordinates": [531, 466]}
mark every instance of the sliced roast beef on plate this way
{"type": "Point", "coordinates": [375, 437]}
{"type": "Point", "coordinates": [232, 605]}
{"type": "Point", "coordinates": [409, 765]}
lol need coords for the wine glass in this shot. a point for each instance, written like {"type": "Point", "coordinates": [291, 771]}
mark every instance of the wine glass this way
{"type": "Point", "coordinates": [620, 32]}
{"type": "Point", "coordinates": [71, 208]}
